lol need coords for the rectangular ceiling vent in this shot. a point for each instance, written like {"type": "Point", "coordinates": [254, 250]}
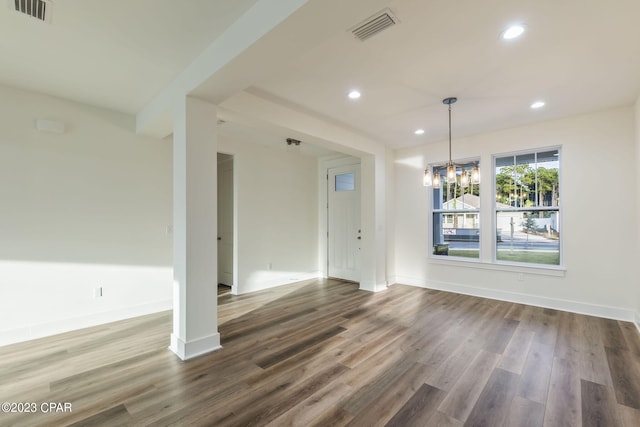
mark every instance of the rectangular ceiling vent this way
{"type": "Point", "coordinates": [39, 9]}
{"type": "Point", "coordinates": [375, 24]}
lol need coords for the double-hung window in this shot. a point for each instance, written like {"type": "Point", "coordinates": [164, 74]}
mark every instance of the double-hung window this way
{"type": "Point", "coordinates": [456, 212]}
{"type": "Point", "coordinates": [527, 207]}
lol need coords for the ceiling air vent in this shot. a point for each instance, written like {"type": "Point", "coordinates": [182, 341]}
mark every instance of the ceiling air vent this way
{"type": "Point", "coordinates": [375, 24]}
{"type": "Point", "coordinates": [39, 9]}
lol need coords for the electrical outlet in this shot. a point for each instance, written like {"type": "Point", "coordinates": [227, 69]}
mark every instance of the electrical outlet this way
{"type": "Point", "coordinates": [97, 292]}
{"type": "Point", "coordinates": [520, 277]}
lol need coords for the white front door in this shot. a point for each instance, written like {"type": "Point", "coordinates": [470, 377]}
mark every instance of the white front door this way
{"type": "Point", "coordinates": [225, 219]}
{"type": "Point", "coordinates": [343, 213]}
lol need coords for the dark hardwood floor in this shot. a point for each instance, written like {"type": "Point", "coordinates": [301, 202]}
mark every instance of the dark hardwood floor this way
{"type": "Point", "coordinates": [323, 353]}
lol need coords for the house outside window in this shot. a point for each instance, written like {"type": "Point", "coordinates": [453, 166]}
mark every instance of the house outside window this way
{"type": "Point", "coordinates": [455, 215]}
{"type": "Point", "coordinates": [527, 208]}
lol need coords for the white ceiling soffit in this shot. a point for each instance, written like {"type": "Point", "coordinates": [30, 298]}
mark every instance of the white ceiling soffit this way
{"type": "Point", "coordinates": [274, 138]}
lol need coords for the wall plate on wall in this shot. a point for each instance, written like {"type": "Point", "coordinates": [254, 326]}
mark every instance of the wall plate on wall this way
{"type": "Point", "coordinates": [51, 126]}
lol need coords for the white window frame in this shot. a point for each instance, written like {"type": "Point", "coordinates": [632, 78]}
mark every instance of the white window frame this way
{"type": "Point", "coordinates": [453, 212]}
{"type": "Point", "coordinates": [495, 210]}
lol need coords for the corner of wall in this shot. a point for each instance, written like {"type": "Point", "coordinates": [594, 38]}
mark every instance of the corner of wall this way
{"type": "Point", "coordinates": [390, 215]}
{"type": "Point", "coordinates": [637, 116]}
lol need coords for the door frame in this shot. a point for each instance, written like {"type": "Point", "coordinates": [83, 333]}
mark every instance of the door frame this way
{"type": "Point", "coordinates": [323, 204]}
{"type": "Point", "coordinates": [233, 160]}
{"type": "Point", "coordinates": [352, 240]}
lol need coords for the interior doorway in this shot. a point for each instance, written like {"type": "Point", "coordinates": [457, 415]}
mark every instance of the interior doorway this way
{"type": "Point", "coordinates": [344, 235]}
{"type": "Point", "coordinates": [226, 220]}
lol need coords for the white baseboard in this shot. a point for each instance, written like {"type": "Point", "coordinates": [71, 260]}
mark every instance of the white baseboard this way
{"type": "Point", "coordinates": [379, 287]}
{"type": "Point", "coordinates": [538, 301]}
{"type": "Point", "coordinates": [267, 283]}
{"type": "Point", "coordinates": [382, 287]}
{"type": "Point", "coordinates": [188, 350]}
{"type": "Point", "coordinates": [12, 336]}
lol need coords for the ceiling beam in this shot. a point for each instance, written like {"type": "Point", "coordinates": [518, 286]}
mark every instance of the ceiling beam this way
{"type": "Point", "coordinates": [265, 39]}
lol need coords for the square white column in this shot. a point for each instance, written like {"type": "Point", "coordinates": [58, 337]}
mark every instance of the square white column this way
{"type": "Point", "coordinates": [373, 221]}
{"type": "Point", "coordinates": [195, 284]}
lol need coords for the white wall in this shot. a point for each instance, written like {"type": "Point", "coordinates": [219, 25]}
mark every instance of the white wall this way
{"type": "Point", "coordinates": [84, 209]}
{"type": "Point", "coordinates": [277, 215]}
{"type": "Point", "coordinates": [597, 172]}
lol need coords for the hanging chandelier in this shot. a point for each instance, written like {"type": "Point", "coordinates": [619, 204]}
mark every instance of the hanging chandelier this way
{"type": "Point", "coordinates": [434, 179]}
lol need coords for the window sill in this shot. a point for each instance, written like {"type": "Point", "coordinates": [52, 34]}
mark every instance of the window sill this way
{"type": "Point", "coordinates": [552, 270]}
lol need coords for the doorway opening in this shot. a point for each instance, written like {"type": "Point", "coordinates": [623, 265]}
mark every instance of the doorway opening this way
{"type": "Point", "coordinates": [226, 224]}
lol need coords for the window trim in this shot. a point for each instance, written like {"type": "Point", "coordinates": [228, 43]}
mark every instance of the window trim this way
{"type": "Point", "coordinates": [494, 210]}
{"type": "Point", "coordinates": [432, 212]}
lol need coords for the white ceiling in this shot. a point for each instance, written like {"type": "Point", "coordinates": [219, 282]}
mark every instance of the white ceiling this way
{"type": "Point", "coordinates": [116, 54]}
{"type": "Point", "coordinates": [274, 138]}
{"type": "Point", "coordinates": [577, 55]}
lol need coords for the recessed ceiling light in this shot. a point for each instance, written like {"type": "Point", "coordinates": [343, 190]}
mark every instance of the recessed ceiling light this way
{"type": "Point", "coordinates": [537, 104]}
{"type": "Point", "coordinates": [513, 32]}
{"type": "Point", "coordinates": [419, 131]}
{"type": "Point", "coordinates": [354, 94]}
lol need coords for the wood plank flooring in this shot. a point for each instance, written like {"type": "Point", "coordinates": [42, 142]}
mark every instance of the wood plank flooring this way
{"type": "Point", "coordinates": [323, 353]}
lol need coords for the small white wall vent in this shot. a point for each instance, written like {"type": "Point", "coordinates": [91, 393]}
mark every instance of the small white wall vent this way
{"type": "Point", "coordinates": [374, 24]}
{"type": "Point", "coordinates": [39, 9]}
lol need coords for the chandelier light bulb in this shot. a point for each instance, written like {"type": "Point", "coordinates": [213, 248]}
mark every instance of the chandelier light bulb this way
{"type": "Point", "coordinates": [475, 175]}
{"type": "Point", "coordinates": [436, 180]}
{"type": "Point", "coordinates": [451, 173]}
{"type": "Point", "coordinates": [464, 179]}
{"type": "Point", "coordinates": [428, 179]}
